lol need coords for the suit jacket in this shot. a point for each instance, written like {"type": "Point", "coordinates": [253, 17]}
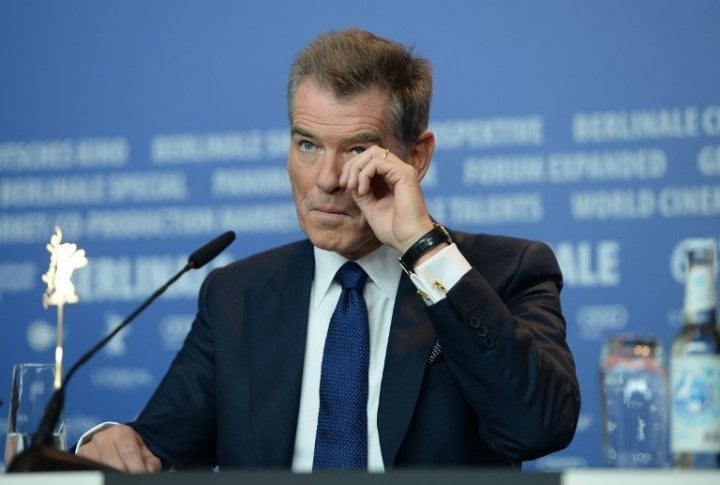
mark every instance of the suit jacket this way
{"type": "Point", "coordinates": [503, 388]}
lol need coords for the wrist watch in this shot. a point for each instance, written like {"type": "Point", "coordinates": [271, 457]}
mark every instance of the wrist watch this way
{"type": "Point", "coordinates": [437, 235]}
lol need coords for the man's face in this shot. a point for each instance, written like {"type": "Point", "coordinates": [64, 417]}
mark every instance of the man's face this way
{"type": "Point", "coordinates": [327, 132]}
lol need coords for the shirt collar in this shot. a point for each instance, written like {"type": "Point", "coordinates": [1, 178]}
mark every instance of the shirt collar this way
{"type": "Point", "coordinates": [381, 266]}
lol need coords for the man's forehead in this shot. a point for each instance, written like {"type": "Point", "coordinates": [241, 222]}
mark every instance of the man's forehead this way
{"type": "Point", "coordinates": [311, 90]}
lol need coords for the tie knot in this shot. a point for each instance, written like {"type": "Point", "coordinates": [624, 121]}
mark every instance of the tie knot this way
{"type": "Point", "coordinates": [351, 275]}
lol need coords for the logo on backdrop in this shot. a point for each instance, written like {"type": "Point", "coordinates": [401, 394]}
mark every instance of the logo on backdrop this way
{"type": "Point", "coordinates": [116, 347]}
{"type": "Point", "coordinates": [173, 329]}
{"type": "Point", "coordinates": [40, 335]}
{"type": "Point", "coordinates": [122, 378]}
{"type": "Point", "coordinates": [589, 264]}
{"type": "Point", "coordinates": [595, 320]}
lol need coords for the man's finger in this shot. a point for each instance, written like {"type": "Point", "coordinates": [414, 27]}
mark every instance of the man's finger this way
{"type": "Point", "coordinates": [131, 452]}
{"type": "Point", "coordinates": [152, 462]}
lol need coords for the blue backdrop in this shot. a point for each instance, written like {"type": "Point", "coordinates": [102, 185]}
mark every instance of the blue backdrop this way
{"type": "Point", "coordinates": [146, 128]}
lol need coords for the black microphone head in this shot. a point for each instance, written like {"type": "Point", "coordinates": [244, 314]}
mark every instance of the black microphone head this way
{"type": "Point", "coordinates": [206, 253]}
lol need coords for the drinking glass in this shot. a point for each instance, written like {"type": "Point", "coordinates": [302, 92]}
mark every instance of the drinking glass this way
{"type": "Point", "coordinates": [634, 391]}
{"type": "Point", "coordinates": [31, 389]}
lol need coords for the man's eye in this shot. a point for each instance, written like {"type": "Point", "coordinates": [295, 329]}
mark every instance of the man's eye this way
{"type": "Point", "coordinates": [357, 150]}
{"type": "Point", "coordinates": [306, 145]}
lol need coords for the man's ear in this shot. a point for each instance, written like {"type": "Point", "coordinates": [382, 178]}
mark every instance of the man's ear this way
{"type": "Point", "coordinates": [421, 153]}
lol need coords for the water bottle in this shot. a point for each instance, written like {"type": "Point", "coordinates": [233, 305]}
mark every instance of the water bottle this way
{"type": "Point", "coordinates": [695, 366]}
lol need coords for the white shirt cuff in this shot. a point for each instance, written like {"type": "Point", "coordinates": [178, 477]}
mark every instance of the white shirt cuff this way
{"type": "Point", "coordinates": [87, 435]}
{"type": "Point", "coordinates": [435, 276]}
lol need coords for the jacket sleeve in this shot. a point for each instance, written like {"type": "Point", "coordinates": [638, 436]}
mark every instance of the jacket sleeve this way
{"type": "Point", "coordinates": [505, 342]}
{"type": "Point", "coordinates": [178, 422]}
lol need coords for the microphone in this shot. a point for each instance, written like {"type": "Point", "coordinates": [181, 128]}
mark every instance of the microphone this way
{"type": "Point", "coordinates": [205, 254]}
{"type": "Point", "coordinates": [41, 455]}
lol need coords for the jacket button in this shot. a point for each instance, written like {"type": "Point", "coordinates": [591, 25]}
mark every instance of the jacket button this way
{"type": "Point", "coordinates": [476, 321]}
{"type": "Point", "coordinates": [489, 342]}
{"type": "Point", "coordinates": [482, 331]}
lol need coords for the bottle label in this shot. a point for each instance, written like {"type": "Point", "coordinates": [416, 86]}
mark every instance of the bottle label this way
{"type": "Point", "coordinates": [695, 407]}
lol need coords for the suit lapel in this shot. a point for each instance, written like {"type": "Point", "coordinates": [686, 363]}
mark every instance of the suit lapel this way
{"type": "Point", "coordinates": [411, 340]}
{"type": "Point", "coordinates": [277, 350]}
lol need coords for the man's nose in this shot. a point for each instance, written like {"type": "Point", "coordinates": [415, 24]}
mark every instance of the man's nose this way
{"type": "Point", "coordinates": [328, 178]}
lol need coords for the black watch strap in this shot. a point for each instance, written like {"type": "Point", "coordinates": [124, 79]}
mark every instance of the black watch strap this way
{"type": "Point", "coordinates": [437, 235]}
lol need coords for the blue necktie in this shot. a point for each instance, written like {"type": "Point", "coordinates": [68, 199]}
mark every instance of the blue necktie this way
{"type": "Point", "coordinates": [341, 440]}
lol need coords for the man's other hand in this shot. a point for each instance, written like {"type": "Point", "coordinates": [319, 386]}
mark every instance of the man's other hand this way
{"type": "Point", "coordinates": [120, 447]}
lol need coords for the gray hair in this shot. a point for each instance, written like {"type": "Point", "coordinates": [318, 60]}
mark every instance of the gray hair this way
{"type": "Point", "coordinates": [352, 61]}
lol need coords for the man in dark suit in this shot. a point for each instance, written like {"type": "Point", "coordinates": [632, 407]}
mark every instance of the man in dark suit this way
{"type": "Point", "coordinates": [467, 362]}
